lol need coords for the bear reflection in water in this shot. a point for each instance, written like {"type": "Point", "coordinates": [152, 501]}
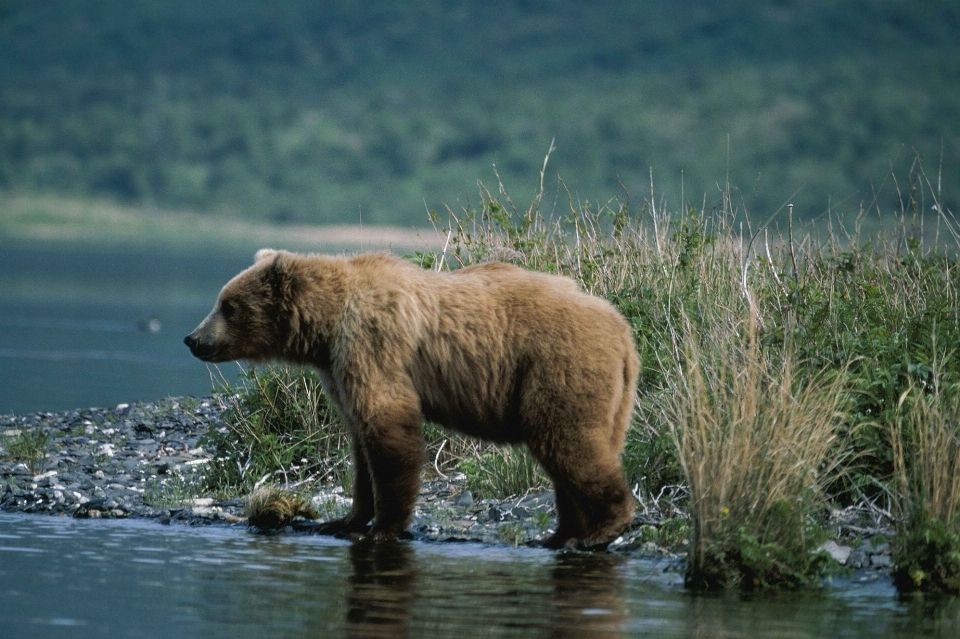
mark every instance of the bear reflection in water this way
{"type": "Point", "coordinates": [492, 350]}
{"type": "Point", "coordinates": [388, 582]}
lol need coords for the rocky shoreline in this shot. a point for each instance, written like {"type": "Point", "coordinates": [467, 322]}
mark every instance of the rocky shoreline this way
{"type": "Point", "coordinates": [141, 461]}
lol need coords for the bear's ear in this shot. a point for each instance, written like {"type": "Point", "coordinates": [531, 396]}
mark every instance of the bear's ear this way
{"type": "Point", "coordinates": [264, 254]}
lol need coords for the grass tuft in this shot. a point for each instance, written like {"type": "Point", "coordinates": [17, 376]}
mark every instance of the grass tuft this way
{"type": "Point", "coordinates": [502, 473]}
{"type": "Point", "coordinates": [26, 446]}
{"type": "Point", "coordinates": [279, 428]}
{"type": "Point", "coordinates": [926, 454]}
{"type": "Point", "coordinates": [757, 446]}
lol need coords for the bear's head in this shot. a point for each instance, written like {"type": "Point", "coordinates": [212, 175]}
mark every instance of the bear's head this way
{"type": "Point", "coordinates": [248, 321]}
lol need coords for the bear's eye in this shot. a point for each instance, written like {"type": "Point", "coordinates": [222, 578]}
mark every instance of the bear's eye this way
{"type": "Point", "coordinates": [227, 309]}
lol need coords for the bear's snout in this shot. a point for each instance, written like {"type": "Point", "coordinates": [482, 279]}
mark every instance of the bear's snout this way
{"type": "Point", "coordinates": [198, 348]}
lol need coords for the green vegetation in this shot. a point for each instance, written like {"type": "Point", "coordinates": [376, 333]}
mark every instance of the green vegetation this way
{"type": "Point", "coordinates": [280, 428]}
{"type": "Point", "coordinates": [174, 490]}
{"type": "Point", "coordinates": [342, 110]}
{"type": "Point", "coordinates": [503, 473]}
{"type": "Point", "coordinates": [775, 363]}
{"type": "Point", "coordinates": [27, 446]}
{"type": "Point", "coordinates": [758, 448]}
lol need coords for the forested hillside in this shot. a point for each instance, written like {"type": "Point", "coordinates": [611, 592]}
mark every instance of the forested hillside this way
{"type": "Point", "coordinates": [325, 111]}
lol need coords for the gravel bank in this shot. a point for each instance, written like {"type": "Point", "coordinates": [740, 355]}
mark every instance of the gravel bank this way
{"type": "Point", "coordinates": [139, 461]}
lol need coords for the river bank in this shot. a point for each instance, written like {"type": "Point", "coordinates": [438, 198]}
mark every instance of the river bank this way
{"type": "Point", "coordinates": [145, 460]}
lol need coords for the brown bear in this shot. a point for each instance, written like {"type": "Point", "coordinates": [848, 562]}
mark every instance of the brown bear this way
{"type": "Point", "coordinates": [492, 350]}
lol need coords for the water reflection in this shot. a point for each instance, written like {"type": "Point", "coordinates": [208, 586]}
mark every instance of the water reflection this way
{"type": "Point", "coordinates": [396, 593]}
{"type": "Point", "coordinates": [382, 589]}
{"type": "Point", "coordinates": [588, 595]}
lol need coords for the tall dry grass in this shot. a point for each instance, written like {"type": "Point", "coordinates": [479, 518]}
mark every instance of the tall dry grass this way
{"type": "Point", "coordinates": [925, 440]}
{"type": "Point", "coordinates": [757, 446]}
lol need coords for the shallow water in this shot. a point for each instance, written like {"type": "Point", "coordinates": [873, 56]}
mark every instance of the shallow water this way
{"type": "Point", "coordinates": [70, 578]}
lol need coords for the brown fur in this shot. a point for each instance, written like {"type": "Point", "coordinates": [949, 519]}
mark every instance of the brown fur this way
{"type": "Point", "coordinates": [492, 350]}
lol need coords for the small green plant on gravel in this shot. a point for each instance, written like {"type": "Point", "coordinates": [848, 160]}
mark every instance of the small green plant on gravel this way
{"type": "Point", "coordinates": [28, 446]}
{"type": "Point", "coordinates": [331, 508]}
{"type": "Point", "coordinates": [173, 490]}
{"type": "Point", "coordinates": [513, 534]}
{"type": "Point", "coordinates": [279, 427]}
{"type": "Point", "coordinates": [543, 519]}
{"type": "Point", "coordinates": [672, 533]}
{"type": "Point", "coordinates": [188, 403]}
{"type": "Point", "coordinates": [926, 445]}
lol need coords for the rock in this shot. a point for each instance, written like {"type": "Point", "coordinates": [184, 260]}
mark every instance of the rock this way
{"type": "Point", "coordinates": [20, 470]}
{"type": "Point", "coordinates": [839, 553]}
{"type": "Point", "coordinates": [464, 500]}
{"type": "Point", "coordinates": [538, 500]}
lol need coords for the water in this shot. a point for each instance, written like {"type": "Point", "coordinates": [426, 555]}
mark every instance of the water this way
{"type": "Point", "coordinates": [67, 578]}
{"type": "Point", "coordinates": [75, 322]}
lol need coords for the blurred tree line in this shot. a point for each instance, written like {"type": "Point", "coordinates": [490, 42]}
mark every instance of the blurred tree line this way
{"type": "Point", "coordinates": [303, 111]}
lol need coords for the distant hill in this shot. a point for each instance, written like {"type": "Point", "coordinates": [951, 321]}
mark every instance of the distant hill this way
{"type": "Point", "coordinates": [305, 111]}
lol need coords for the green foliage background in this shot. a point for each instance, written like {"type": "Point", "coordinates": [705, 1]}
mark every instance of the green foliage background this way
{"type": "Point", "coordinates": [302, 111]}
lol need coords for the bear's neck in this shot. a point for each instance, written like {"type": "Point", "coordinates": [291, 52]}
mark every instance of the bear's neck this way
{"type": "Point", "coordinates": [314, 310]}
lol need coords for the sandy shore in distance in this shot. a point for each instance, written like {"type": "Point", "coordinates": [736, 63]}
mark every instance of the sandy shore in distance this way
{"type": "Point", "coordinates": [30, 217]}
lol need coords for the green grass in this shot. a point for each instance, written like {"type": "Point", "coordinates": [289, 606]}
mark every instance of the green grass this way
{"type": "Point", "coordinates": [758, 448]}
{"type": "Point", "coordinates": [28, 446]}
{"type": "Point", "coordinates": [173, 490]}
{"type": "Point", "coordinates": [503, 473]}
{"type": "Point", "coordinates": [280, 429]}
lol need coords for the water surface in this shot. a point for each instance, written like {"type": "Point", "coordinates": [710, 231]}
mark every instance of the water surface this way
{"type": "Point", "coordinates": [69, 578]}
{"type": "Point", "coordinates": [90, 325]}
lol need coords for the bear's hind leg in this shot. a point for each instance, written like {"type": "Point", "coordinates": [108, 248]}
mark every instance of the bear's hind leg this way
{"type": "Point", "coordinates": [594, 503]}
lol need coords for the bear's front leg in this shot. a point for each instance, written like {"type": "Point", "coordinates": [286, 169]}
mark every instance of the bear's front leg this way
{"type": "Point", "coordinates": [393, 444]}
{"type": "Point", "coordinates": [358, 519]}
